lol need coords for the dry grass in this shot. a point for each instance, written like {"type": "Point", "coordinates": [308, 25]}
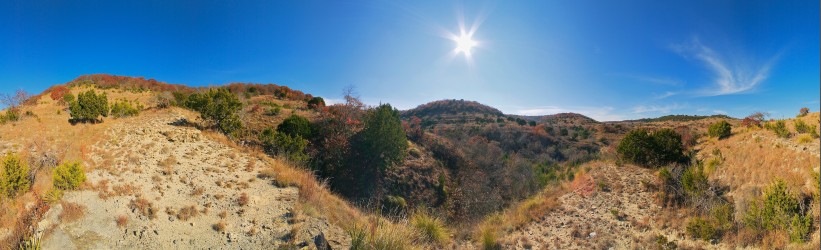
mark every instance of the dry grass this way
{"type": "Point", "coordinates": [122, 221]}
{"type": "Point", "coordinates": [144, 207]}
{"type": "Point", "coordinates": [220, 226]}
{"type": "Point", "coordinates": [188, 212]}
{"type": "Point", "coordinates": [243, 199]}
{"type": "Point", "coordinates": [71, 211]}
{"type": "Point", "coordinates": [167, 165]}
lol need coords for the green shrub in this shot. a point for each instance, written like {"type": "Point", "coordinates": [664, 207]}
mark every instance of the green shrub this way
{"type": "Point", "coordinates": [295, 125]}
{"type": "Point", "coordinates": [281, 144]}
{"type": "Point", "coordinates": [316, 102]}
{"type": "Point", "coordinates": [802, 127]}
{"type": "Point", "coordinates": [778, 209]}
{"type": "Point", "coordinates": [69, 176]}
{"type": "Point", "coordinates": [125, 108]}
{"type": "Point", "coordinates": [89, 106]}
{"type": "Point", "coordinates": [14, 177]}
{"type": "Point", "coordinates": [430, 227]}
{"type": "Point", "coordinates": [779, 127]}
{"type": "Point", "coordinates": [382, 142]}
{"type": "Point", "coordinates": [701, 229]}
{"type": "Point", "coordinates": [651, 149]}
{"type": "Point", "coordinates": [720, 130]}
{"type": "Point", "coordinates": [68, 98]}
{"type": "Point", "coordinates": [218, 106]}
{"type": "Point", "coordinates": [11, 115]}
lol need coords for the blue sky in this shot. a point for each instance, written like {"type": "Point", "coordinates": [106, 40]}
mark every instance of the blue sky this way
{"type": "Point", "coordinates": [610, 60]}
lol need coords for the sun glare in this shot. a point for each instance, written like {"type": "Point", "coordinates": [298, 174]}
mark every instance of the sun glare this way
{"type": "Point", "coordinates": [464, 44]}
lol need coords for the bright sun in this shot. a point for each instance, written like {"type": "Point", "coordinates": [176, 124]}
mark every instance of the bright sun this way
{"type": "Point", "coordinates": [464, 44]}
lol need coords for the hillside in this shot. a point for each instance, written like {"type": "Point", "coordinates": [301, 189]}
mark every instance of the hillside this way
{"type": "Point", "coordinates": [250, 165]}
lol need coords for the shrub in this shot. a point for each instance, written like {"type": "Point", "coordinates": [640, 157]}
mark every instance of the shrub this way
{"type": "Point", "coordinates": [58, 92]}
{"type": "Point", "coordinates": [778, 209]}
{"type": "Point", "coordinates": [11, 115]}
{"type": "Point", "coordinates": [382, 141]}
{"type": "Point", "coordinates": [281, 144]}
{"type": "Point", "coordinates": [755, 119]}
{"type": "Point", "coordinates": [68, 98]}
{"type": "Point", "coordinates": [217, 106]}
{"type": "Point", "coordinates": [316, 103]}
{"type": "Point", "coordinates": [779, 127]}
{"type": "Point", "coordinates": [125, 108]}
{"type": "Point", "coordinates": [14, 177]}
{"type": "Point", "coordinates": [701, 229]}
{"type": "Point", "coordinates": [89, 106]}
{"type": "Point", "coordinates": [802, 127]}
{"type": "Point", "coordinates": [803, 112]}
{"type": "Point", "coordinates": [720, 130]}
{"type": "Point", "coordinates": [294, 126]}
{"type": "Point", "coordinates": [69, 176]}
{"type": "Point", "coordinates": [163, 100]}
{"type": "Point", "coordinates": [651, 150]}
{"type": "Point", "coordinates": [430, 227]}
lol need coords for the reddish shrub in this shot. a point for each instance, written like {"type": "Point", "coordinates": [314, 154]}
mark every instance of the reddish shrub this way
{"type": "Point", "coordinates": [57, 92]}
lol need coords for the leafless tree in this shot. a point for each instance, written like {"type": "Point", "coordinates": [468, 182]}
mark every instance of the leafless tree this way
{"type": "Point", "coordinates": [12, 101]}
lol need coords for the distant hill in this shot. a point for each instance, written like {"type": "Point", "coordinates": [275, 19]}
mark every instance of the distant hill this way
{"type": "Point", "coordinates": [451, 107]}
{"type": "Point", "coordinates": [568, 118]}
{"type": "Point", "coordinates": [680, 118]}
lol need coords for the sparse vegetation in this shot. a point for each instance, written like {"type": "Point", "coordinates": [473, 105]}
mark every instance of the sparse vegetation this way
{"type": "Point", "coordinates": [125, 108]}
{"type": "Point", "coordinates": [14, 177]}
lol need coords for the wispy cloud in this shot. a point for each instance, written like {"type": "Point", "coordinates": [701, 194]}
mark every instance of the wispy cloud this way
{"type": "Point", "coordinates": [734, 76]}
{"type": "Point", "coordinates": [665, 109]}
{"type": "Point", "coordinates": [597, 113]}
{"type": "Point", "coordinates": [665, 95]}
{"type": "Point", "coordinates": [721, 112]}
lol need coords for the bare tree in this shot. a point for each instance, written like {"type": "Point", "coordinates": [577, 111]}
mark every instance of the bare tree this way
{"type": "Point", "coordinates": [12, 101]}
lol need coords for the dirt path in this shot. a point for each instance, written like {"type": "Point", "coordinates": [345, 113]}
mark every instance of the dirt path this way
{"type": "Point", "coordinates": [159, 185]}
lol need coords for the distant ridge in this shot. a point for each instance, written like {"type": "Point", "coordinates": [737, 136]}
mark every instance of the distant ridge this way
{"type": "Point", "coordinates": [680, 118]}
{"type": "Point", "coordinates": [451, 107]}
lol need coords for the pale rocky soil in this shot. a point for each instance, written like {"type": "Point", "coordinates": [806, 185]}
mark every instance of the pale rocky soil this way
{"type": "Point", "coordinates": [153, 157]}
{"type": "Point", "coordinates": [584, 220]}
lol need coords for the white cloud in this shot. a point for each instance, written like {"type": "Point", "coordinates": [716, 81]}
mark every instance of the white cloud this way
{"type": "Point", "coordinates": [331, 101]}
{"type": "Point", "coordinates": [733, 76]}
{"type": "Point", "coordinates": [721, 112]}
{"type": "Point", "coordinates": [597, 113]}
{"type": "Point", "coordinates": [666, 109]}
{"type": "Point", "coordinates": [665, 95]}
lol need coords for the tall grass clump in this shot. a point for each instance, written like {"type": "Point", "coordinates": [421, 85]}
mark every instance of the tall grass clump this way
{"type": "Point", "coordinates": [430, 227]}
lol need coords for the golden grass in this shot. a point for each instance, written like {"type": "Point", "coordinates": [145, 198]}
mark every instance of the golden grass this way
{"type": "Point", "coordinates": [71, 212]}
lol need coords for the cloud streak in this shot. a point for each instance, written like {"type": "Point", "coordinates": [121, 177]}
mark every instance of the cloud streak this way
{"type": "Point", "coordinates": [730, 76]}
